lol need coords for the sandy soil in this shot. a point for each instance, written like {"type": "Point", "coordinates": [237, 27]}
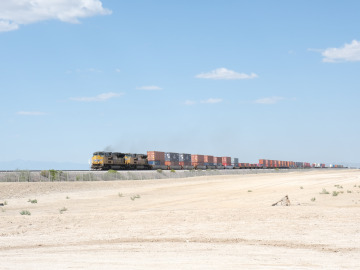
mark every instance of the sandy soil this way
{"type": "Point", "coordinates": [195, 223]}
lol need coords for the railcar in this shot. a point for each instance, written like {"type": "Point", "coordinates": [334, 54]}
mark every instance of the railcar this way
{"type": "Point", "coordinates": [119, 161]}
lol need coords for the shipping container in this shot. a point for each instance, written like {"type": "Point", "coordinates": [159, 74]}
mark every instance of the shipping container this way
{"type": "Point", "coordinates": [172, 163]}
{"type": "Point", "coordinates": [169, 156]}
{"type": "Point", "coordinates": [155, 155]}
{"type": "Point", "coordinates": [185, 157]}
{"type": "Point", "coordinates": [197, 164]}
{"type": "Point", "coordinates": [184, 163]}
{"type": "Point", "coordinates": [197, 158]}
{"type": "Point", "coordinates": [208, 159]}
{"type": "Point", "coordinates": [226, 161]}
{"type": "Point", "coordinates": [156, 162]}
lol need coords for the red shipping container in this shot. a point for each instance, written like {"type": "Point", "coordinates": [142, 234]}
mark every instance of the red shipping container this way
{"type": "Point", "coordinates": [156, 155]}
{"type": "Point", "coordinates": [209, 159]}
{"type": "Point", "coordinates": [219, 160]}
{"type": "Point", "coordinates": [197, 158]}
{"type": "Point", "coordinates": [226, 161]}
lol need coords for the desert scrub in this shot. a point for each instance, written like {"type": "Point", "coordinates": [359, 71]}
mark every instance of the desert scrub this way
{"type": "Point", "coordinates": [335, 193]}
{"type": "Point", "coordinates": [25, 212]}
{"type": "Point", "coordinates": [249, 190]}
{"type": "Point", "coordinates": [120, 194]}
{"type": "Point", "coordinates": [67, 197]}
{"type": "Point", "coordinates": [324, 191]}
{"type": "Point", "coordinates": [313, 199]}
{"type": "Point", "coordinates": [348, 191]}
{"type": "Point", "coordinates": [52, 175]}
{"type": "Point", "coordinates": [301, 187]}
{"type": "Point", "coordinates": [173, 171]}
{"type": "Point", "coordinates": [338, 186]}
{"type": "Point", "coordinates": [62, 210]}
{"type": "Point", "coordinates": [159, 170]}
{"type": "Point", "coordinates": [135, 197]}
{"type": "Point", "coordinates": [32, 201]}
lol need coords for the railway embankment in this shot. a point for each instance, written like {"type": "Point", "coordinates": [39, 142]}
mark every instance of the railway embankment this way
{"type": "Point", "coordinates": [57, 175]}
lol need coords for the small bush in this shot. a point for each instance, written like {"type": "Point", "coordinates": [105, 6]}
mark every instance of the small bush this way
{"type": "Point", "coordinates": [301, 187]}
{"type": "Point", "coordinates": [2, 209]}
{"type": "Point", "coordinates": [62, 210]}
{"type": "Point", "coordinates": [313, 199]}
{"type": "Point", "coordinates": [159, 170]}
{"type": "Point", "coordinates": [67, 197]}
{"type": "Point", "coordinates": [120, 194]}
{"type": "Point", "coordinates": [32, 201]}
{"type": "Point", "coordinates": [335, 193]}
{"type": "Point", "coordinates": [5, 202]}
{"type": "Point", "coordinates": [25, 212]}
{"type": "Point", "coordinates": [324, 191]}
{"type": "Point", "coordinates": [348, 191]}
{"type": "Point", "coordinates": [52, 175]}
{"type": "Point", "coordinates": [173, 171]}
{"type": "Point", "coordinates": [249, 190]}
{"type": "Point", "coordinates": [135, 197]}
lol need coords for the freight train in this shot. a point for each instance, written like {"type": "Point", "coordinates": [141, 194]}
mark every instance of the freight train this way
{"type": "Point", "coordinates": [103, 160]}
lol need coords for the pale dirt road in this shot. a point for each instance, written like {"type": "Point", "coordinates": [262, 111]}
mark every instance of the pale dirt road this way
{"type": "Point", "coordinates": [195, 223]}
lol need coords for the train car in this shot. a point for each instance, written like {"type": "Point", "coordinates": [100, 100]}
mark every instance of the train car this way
{"type": "Point", "coordinates": [119, 161]}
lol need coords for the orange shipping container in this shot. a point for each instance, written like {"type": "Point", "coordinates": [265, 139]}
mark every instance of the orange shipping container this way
{"type": "Point", "coordinates": [171, 163]}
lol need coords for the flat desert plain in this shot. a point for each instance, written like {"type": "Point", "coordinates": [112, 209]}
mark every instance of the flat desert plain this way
{"type": "Point", "coordinates": [209, 222]}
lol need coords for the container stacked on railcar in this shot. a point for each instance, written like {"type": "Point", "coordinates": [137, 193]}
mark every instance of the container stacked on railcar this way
{"type": "Point", "coordinates": [103, 160]}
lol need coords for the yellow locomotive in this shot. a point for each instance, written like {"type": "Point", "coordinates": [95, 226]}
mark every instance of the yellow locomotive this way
{"type": "Point", "coordinates": [119, 161]}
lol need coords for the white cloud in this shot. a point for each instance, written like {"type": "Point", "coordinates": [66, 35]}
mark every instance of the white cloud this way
{"type": "Point", "coordinates": [14, 13]}
{"type": "Point", "coordinates": [189, 102]}
{"type": "Point", "coordinates": [149, 87]}
{"type": "Point", "coordinates": [30, 113]}
{"type": "Point", "coordinates": [212, 100]}
{"type": "Point", "coordinates": [101, 97]}
{"type": "Point", "coordinates": [347, 53]}
{"type": "Point", "coordinates": [225, 74]}
{"type": "Point", "coordinates": [269, 100]}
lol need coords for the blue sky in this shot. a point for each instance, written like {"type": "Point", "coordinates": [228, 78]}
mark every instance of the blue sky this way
{"type": "Point", "coordinates": [247, 79]}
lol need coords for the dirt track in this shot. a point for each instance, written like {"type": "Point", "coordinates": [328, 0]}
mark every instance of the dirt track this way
{"type": "Point", "coordinates": [195, 223]}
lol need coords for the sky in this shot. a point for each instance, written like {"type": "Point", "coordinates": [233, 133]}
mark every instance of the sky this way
{"type": "Point", "coordinates": [247, 79]}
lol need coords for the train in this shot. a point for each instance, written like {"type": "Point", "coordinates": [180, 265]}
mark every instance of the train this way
{"type": "Point", "coordinates": [104, 160]}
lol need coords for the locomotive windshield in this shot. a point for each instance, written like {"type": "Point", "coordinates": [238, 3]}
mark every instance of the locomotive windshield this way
{"type": "Point", "coordinates": [99, 154]}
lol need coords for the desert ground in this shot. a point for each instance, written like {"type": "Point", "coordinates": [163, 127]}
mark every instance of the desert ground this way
{"type": "Point", "coordinates": [209, 222]}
